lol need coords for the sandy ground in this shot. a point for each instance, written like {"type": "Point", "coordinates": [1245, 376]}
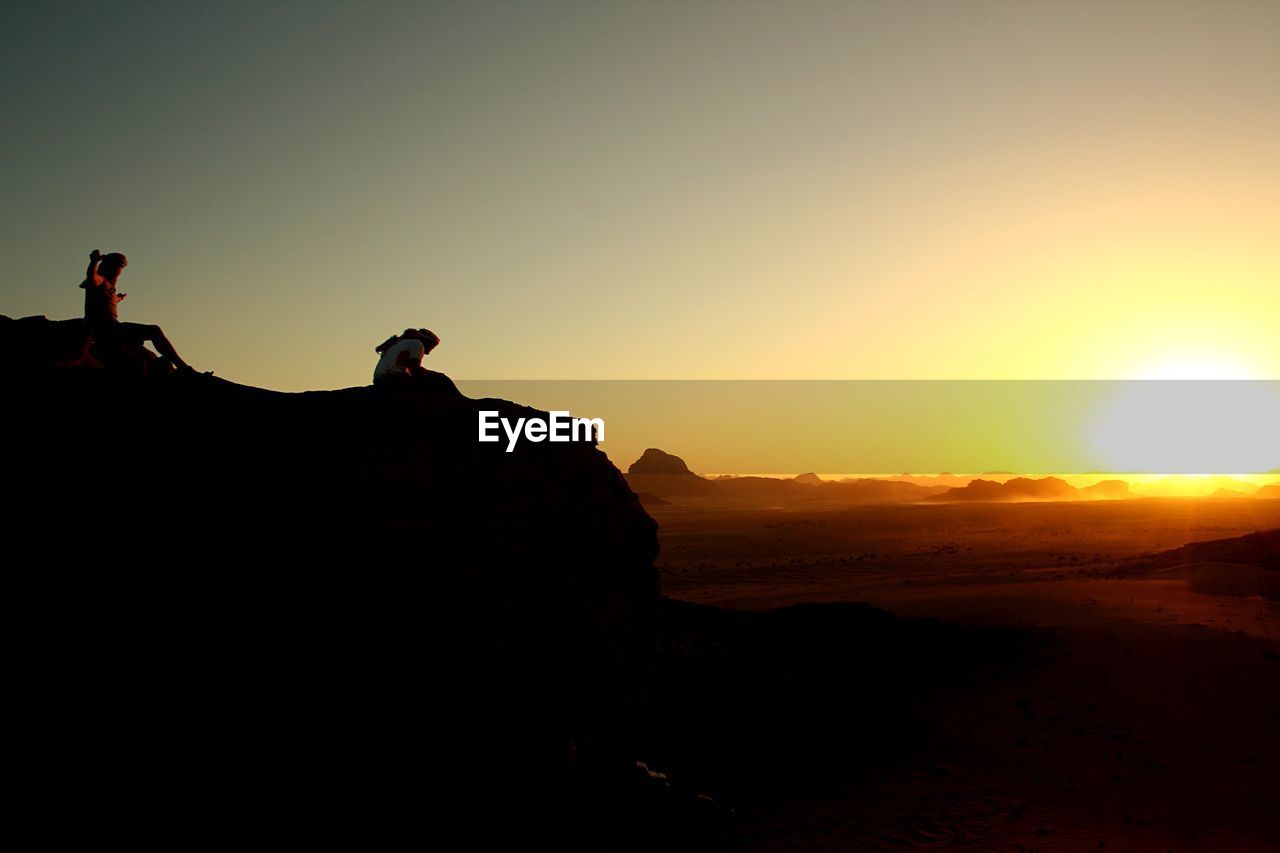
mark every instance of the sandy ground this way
{"type": "Point", "coordinates": [1149, 724]}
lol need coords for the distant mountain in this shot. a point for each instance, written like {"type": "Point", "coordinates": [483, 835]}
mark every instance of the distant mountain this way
{"type": "Point", "coordinates": [1272, 492]}
{"type": "Point", "coordinates": [765, 487]}
{"type": "Point", "coordinates": [1108, 490]}
{"type": "Point", "coordinates": [1025, 489]}
{"type": "Point", "coordinates": [661, 476]}
{"type": "Point", "coordinates": [1228, 493]}
{"type": "Point", "coordinates": [655, 461]}
{"type": "Point", "coordinates": [946, 478]}
{"type": "Point", "coordinates": [873, 490]}
{"type": "Point", "coordinates": [863, 491]}
{"type": "Point", "coordinates": [1181, 485]}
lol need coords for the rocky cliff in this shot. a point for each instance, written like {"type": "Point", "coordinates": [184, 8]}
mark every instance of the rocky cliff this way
{"type": "Point", "coordinates": [334, 610]}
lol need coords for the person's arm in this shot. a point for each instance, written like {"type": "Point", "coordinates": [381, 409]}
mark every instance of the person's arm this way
{"type": "Point", "coordinates": [411, 355]}
{"type": "Point", "coordinates": [91, 274]}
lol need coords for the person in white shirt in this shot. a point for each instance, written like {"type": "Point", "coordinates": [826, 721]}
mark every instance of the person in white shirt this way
{"type": "Point", "coordinates": [400, 365]}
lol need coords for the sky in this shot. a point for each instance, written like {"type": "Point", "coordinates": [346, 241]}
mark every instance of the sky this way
{"type": "Point", "coordinates": [1033, 427]}
{"type": "Point", "coordinates": [666, 190]}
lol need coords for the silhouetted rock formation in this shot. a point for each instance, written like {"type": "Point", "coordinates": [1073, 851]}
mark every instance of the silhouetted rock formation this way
{"type": "Point", "coordinates": [946, 478]}
{"type": "Point", "coordinates": [1227, 493]}
{"type": "Point", "coordinates": [747, 490]}
{"type": "Point", "coordinates": [1182, 485]}
{"type": "Point", "coordinates": [655, 461]}
{"type": "Point", "coordinates": [1107, 490]}
{"type": "Point", "coordinates": [327, 610]}
{"type": "Point", "coordinates": [872, 490]}
{"type": "Point", "coordinates": [1272, 491]}
{"type": "Point", "coordinates": [1025, 489]}
{"type": "Point", "coordinates": [36, 343]}
{"type": "Point", "coordinates": [666, 477]}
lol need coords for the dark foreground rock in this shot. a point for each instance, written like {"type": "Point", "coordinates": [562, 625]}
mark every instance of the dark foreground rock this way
{"type": "Point", "coordinates": [747, 711]}
{"type": "Point", "coordinates": [324, 615]}
{"type": "Point", "coordinates": [336, 616]}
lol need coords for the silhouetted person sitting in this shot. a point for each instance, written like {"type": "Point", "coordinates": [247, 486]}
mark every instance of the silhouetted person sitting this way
{"type": "Point", "coordinates": [115, 341]}
{"type": "Point", "coordinates": [401, 363]}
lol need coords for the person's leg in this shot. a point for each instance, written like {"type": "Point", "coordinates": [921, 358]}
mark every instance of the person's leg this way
{"type": "Point", "coordinates": [141, 333]}
{"type": "Point", "coordinates": [397, 380]}
{"type": "Point", "coordinates": [112, 348]}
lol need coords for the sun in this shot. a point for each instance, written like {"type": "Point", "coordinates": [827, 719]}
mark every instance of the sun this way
{"type": "Point", "coordinates": [1188, 427]}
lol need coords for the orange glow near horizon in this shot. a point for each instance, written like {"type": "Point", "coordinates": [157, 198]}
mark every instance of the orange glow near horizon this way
{"type": "Point", "coordinates": [1129, 428]}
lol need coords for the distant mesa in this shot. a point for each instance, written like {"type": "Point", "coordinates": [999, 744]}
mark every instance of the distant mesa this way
{"type": "Point", "coordinates": [1227, 493]}
{"type": "Point", "coordinates": [1272, 492]}
{"type": "Point", "coordinates": [1108, 490]}
{"type": "Point", "coordinates": [655, 461]}
{"type": "Point", "coordinates": [663, 476]}
{"type": "Point", "coordinates": [872, 490]}
{"type": "Point", "coordinates": [999, 473]}
{"type": "Point", "coordinates": [658, 475]}
{"type": "Point", "coordinates": [946, 478]}
{"type": "Point", "coordinates": [1025, 489]}
{"type": "Point", "coordinates": [1180, 485]}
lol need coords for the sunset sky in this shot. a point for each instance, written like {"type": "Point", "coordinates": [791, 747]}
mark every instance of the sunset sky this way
{"type": "Point", "coordinates": [965, 427]}
{"type": "Point", "coordinates": [658, 189]}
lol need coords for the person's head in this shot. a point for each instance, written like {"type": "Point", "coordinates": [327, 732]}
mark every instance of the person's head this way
{"type": "Point", "coordinates": [430, 340]}
{"type": "Point", "coordinates": [112, 265]}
